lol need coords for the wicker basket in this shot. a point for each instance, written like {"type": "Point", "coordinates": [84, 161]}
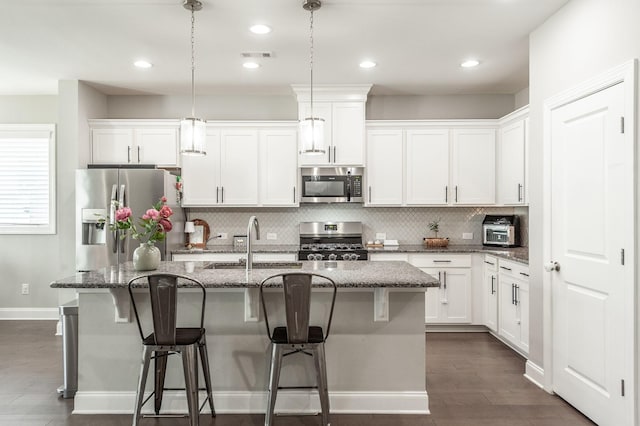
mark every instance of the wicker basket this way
{"type": "Point", "coordinates": [435, 242]}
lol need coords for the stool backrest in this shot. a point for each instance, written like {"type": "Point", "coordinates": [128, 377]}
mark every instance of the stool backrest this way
{"type": "Point", "coordinates": [297, 300]}
{"type": "Point", "coordinates": [163, 298]}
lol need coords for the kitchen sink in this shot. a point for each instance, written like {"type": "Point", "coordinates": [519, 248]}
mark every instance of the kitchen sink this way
{"type": "Point", "coordinates": [256, 265]}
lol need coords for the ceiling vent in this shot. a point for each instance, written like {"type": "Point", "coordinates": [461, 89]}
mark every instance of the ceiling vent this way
{"type": "Point", "coordinates": [256, 55]}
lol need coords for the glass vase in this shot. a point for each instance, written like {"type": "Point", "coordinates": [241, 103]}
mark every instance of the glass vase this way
{"type": "Point", "coordinates": [146, 258]}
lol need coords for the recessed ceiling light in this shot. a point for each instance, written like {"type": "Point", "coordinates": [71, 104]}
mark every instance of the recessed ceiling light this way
{"type": "Point", "coordinates": [470, 63]}
{"type": "Point", "coordinates": [142, 64]}
{"type": "Point", "coordinates": [260, 29]}
{"type": "Point", "coordinates": [251, 65]}
{"type": "Point", "coordinates": [367, 64]}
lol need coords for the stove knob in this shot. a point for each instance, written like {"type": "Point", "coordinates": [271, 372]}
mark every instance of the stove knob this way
{"type": "Point", "coordinates": [311, 256]}
{"type": "Point", "coordinates": [333, 256]}
{"type": "Point", "coordinates": [353, 256]}
{"type": "Point", "coordinates": [345, 256]}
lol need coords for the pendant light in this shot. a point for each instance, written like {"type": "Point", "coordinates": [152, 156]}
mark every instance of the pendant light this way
{"type": "Point", "coordinates": [193, 130]}
{"type": "Point", "coordinates": [312, 128]}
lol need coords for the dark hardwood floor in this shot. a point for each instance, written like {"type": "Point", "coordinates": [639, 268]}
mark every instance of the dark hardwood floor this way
{"type": "Point", "coordinates": [472, 379]}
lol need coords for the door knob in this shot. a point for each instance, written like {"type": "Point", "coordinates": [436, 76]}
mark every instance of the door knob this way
{"type": "Point", "coordinates": [552, 266]}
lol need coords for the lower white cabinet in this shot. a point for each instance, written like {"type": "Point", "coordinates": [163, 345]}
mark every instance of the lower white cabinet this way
{"type": "Point", "coordinates": [514, 303]}
{"type": "Point", "coordinates": [490, 293]}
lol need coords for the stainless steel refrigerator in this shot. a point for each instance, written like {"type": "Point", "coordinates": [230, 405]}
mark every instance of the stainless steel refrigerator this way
{"type": "Point", "coordinates": [139, 189]}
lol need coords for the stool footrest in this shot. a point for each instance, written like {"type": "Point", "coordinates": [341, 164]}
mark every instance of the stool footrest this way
{"type": "Point", "coordinates": [297, 387]}
{"type": "Point", "coordinates": [159, 416]}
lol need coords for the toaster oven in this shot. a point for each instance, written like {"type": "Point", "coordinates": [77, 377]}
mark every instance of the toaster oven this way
{"type": "Point", "coordinates": [503, 231]}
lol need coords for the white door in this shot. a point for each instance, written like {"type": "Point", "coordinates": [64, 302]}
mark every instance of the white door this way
{"type": "Point", "coordinates": [427, 167]}
{"type": "Point", "coordinates": [201, 174]}
{"type": "Point", "coordinates": [457, 295]}
{"type": "Point", "coordinates": [474, 170]}
{"type": "Point", "coordinates": [278, 167]}
{"type": "Point", "coordinates": [384, 168]}
{"type": "Point", "coordinates": [509, 323]}
{"type": "Point", "coordinates": [433, 308]}
{"type": "Point", "coordinates": [111, 146]}
{"type": "Point", "coordinates": [157, 146]}
{"type": "Point", "coordinates": [490, 288]}
{"type": "Point", "coordinates": [591, 222]}
{"type": "Point", "coordinates": [348, 133]}
{"type": "Point", "coordinates": [239, 167]}
{"type": "Point", "coordinates": [511, 164]}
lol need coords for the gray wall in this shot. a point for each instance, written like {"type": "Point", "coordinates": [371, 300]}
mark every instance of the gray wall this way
{"type": "Point", "coordinates": [522, 98]}
{"type": "Point", "coordinates": [582, 40]}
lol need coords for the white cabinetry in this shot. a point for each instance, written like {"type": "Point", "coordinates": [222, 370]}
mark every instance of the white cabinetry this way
{"type": "Point", "coordinates": [247, 164]}
{"type": "Point", "coordinates": [474, 166]}
{"type": "Point", "coordinates": [490, 293]}
{"type": "Point", "coordinates": [384, 167]}
{"type": "Point", "coordinates": [343, 109]}
{"type": "Point", "coordinates": [514, 304]}
{"type": "Point", "coordinates": [134, 142]}
{"type": "Point", "coordinates": [233, 257]}
{"type": "Point", "coordinates": [512, 158]}
{"type": "Point", "coordinates": [427, 166]}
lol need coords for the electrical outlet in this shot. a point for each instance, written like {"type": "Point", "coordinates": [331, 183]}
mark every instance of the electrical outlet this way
{"type": "Point", "coordinates": [381, 236]}
{"type": "Point", "coordinates": [272, 236]}
{"type": "Point", "coordinates": [25, 288]}
{"type": "Point", "coordinates": [467, 235]}
{"type": "Point", "coordinates": [222, 236]}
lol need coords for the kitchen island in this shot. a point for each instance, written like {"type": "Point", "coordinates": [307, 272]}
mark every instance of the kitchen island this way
{"type": "Point", "coordinates": [375, 363]}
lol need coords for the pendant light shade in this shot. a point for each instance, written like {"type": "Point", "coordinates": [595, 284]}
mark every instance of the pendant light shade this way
{"type": "Point", "coordinates": [311, 128]}
{"type": "Point", "coordinates": [193, 131]}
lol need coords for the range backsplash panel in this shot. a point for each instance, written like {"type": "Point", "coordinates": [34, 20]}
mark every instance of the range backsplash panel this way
{"type": "Point", "coordinates": [408, 225]}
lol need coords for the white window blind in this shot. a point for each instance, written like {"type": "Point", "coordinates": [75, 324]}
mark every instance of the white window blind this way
{"type": "Point", "coordinates": [27, 179]}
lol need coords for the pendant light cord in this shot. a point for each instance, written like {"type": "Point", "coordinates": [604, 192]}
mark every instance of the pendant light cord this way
{"type": "Point", "coordinates": [313, 139]}
{"type": "Point", "coordinates": [193, 62]}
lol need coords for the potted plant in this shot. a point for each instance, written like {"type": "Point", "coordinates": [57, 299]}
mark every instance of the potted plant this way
{"type": "Point", "coordinates": [434, 226]}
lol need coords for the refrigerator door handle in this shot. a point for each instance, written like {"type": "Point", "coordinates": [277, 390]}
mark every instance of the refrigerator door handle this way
{"type": "Point", "coordinates": [122, 200]}
{"type": "Point", "coordinates": [112, 217]}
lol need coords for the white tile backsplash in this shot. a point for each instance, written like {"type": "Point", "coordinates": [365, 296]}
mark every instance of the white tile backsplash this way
{"type": "Point", "coordinates": [408, 225]}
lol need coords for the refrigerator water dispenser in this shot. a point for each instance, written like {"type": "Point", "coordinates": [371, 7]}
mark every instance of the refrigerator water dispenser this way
{"type": "Point", "coordinates": [93, 230]}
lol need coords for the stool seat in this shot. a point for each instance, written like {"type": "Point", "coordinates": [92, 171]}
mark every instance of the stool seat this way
{"type": "Point", "coordinates": [184, 336]}
{"type": "Point", "coordinates": [316, 335]}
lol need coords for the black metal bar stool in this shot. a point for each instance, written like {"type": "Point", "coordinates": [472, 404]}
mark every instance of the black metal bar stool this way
{"type": "Point", "coordinates": [167, 339]}
{"type": "Point", "coordinates": [297, 336]}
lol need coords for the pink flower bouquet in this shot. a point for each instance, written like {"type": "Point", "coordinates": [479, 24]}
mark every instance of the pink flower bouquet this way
{"type": "Point", "coordinates": [151, 228]}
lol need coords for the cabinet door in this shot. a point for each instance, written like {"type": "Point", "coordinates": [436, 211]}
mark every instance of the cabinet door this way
{"type": "Point", "coordinates": [201, 174]}
{"type": "Point", "coordinates": [522, 293]}
{"type": "Point", "coordinates": [278, 168]}
{"type": "Point", "coordinates": [384, 168]}
{"type": "Point", "coordinates": [490, 299]}
{"type": "Point", "coordinates": [451, 304]}
{"type": "Point", "coordinates": [511, 164]}
{"type": "Point", "coordinates": [156, 146]}
{"type": "Point", "coordinates": [509, 326]}
{"type": "Point", "coordinates": [427, 159]}
{"type": "Point", "coordinates": [348, 133]}
{"type": "Point", "coordinates": [321, 110]}
{"type": "Point", "coordinates": [239, 167]}
{"type": "Point", "coordinates": [474, 172]}
{"type": "Point", "coordinates": [111, 146]}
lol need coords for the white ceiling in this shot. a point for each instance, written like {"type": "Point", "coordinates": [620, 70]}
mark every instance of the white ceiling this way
{"type": "Point", "coordinates": [418, 45]}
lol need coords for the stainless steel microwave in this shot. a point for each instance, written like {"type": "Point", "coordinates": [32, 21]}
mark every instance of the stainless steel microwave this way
{"type": "Point", "coordinates": [331, 184]}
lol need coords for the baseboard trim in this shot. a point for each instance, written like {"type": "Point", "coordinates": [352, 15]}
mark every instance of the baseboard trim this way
{"type": "Point", "coordinates": [455, 328]}
{"type": "Point", "coordinates": [534, 373]}
{"type": "Point", "coordinates": [255, 402]}
{"type": "Point", "coordinates": [29, 314]}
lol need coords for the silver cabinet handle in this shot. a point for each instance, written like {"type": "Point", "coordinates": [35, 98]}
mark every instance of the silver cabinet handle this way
{"type": "Point", "coordinates": [505, 268]}
{"type": "Point", "coordinates": [513, 294]}
{"type": "Point", "coordinates": [441, 261]}
{"type": "Point", "coordinates": [334, 154]}
{"type": "Point", "coordinates": [493, 279]}
{"type": "Point", "coordinates": [517, 299]}
{"type": "Point", "coordinates": [138, 154]}
{"type": "Point", "coordinates": [128, 154]}
{"type": "Point", "coordinates": [489, 263]}
{"type": "Point", "coordinates": [519, 192]}
{"type": "Point", "coordinates": [446, 194]}
{"type": "Point", "coordinates": [217, 192]}
{"type": "Point", "coordinates": [522, 273]}
{"type": "Point", "coordinates": [222, 191]}
{"type": "Point", "coordinates": [456, 193]}
{"type": "Point", "coordinates": [294, 195]}
{"type": "Point", "coordinates": [444, 273]}
{"type": "Point", "coordinates": [329, 152]}
{"type": "Point", "coordinates": [369, 193]}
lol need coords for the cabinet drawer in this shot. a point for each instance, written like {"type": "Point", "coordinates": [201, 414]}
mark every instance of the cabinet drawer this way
{"type": "Point", "coordinates": [490, 263]}
{"type": "Point", "coordinates": [208, 257]}
{"type": "Point", "coordinates": [389, 256]}
{"type": "Point", "coordinates": [273, 257]}
{"type": "Point", "coordinates": [515, 269]}
{"type": "Point", "coordinates": [440, 260]}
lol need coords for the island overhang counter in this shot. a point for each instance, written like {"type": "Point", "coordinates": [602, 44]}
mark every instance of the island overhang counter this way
{"type": "Point", "coordinates": [375, 352]}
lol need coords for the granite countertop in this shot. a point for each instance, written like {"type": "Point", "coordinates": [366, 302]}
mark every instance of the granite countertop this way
{"type": "Point", "coordinates": [387, 274]}
{"type": "Point", "coordinates": [518, 254]}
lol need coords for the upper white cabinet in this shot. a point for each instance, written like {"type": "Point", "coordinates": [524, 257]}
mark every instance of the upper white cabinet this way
{"type": "Point", "coordinates": [427, 159]}
{"type": "Point", "coordinates": [247, 164]}
{"type": "Point", "coordinates": [135, 142]}
{"type": "Point", "coordinates": [512, 158]}
{"type": "Point", "coordinates": [384, 167]}
{"type": "Point", "coordinates": [343, 109]}
{"type": "Point", "coordinates": [474, 166]}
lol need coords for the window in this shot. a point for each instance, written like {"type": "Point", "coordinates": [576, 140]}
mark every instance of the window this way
{"type": "Point", "coordinates": [27, 179]}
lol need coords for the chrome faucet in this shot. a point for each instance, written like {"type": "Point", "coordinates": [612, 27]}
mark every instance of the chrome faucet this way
{"type": "Point", "coordinates": [253, 221]}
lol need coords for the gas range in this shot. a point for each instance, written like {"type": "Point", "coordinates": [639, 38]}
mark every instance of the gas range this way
{"type": "Point", "coordinates": [331, 241]}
